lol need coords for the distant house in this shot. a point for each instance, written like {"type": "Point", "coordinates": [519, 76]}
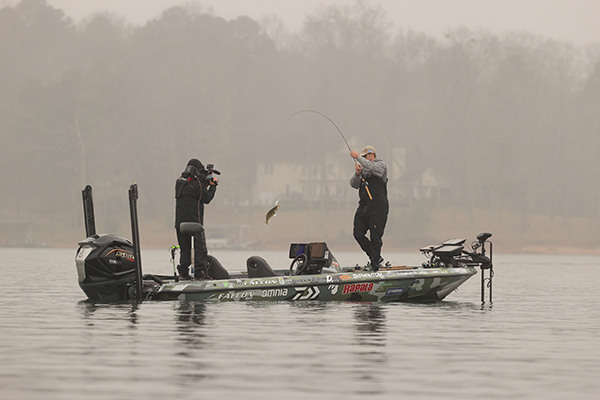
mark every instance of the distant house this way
{"type": "Point", "coordinates": [327, 178]}
{"type": "Point", "coordinates": [424, 185]}
{"type": "Point", "coordinates": [297, 181]}
{"type": "Point", "coordinates": [275, 180]}
{"type": "Point", "coordinates": [431, 186]}
{"type": "Point", "coordinates": [16, 233]}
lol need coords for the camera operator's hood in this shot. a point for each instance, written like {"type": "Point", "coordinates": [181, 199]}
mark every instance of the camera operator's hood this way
{"type": "Point", "coordinates": [196, 163]}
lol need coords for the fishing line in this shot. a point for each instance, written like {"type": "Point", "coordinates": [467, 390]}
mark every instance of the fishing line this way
{"type": "Point", "coordinates": [338, 129]}
{"type": "Point", "coordinates": [329, 119]}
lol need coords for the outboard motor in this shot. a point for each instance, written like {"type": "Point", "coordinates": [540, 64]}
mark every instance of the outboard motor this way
{"type": "Point", "coordinates": [109, 266]}
{"type": "Point", "coordinates": [106, 267]}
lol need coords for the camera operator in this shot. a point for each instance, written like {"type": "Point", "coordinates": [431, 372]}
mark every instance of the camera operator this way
{"type": "Point", "coordinates": [193, 189]}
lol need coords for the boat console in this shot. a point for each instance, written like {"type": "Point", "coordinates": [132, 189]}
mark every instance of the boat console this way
{"type": "Point", "coordinates": [311, 258]}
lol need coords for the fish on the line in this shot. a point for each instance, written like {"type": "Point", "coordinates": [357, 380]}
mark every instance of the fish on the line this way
{"type": "Point", "coordinates": [271, 213]}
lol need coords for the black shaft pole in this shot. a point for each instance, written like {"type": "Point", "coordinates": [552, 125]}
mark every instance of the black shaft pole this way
{"type": "Point", "coordinates": [487, 281]}
{"type": "Point", "coordinates": [491, 271]}
{"type": "Point", "coordinates": [135, 236]}
{"type": "Point", "coordinates": [482, 286]}
{"type": "Point", "coordinates": [483, 278]}
{"type": "Point", "coordinates": [88, 211]}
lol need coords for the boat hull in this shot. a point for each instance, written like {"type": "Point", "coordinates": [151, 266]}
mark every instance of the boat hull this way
{"type": "Point", "coordinates": [416, 284]}
{"type": "Point", "coordinates": [109, 269]}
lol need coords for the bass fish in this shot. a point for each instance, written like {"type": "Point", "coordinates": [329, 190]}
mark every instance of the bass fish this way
{"type": "Point", "coordinates": [271, 213]}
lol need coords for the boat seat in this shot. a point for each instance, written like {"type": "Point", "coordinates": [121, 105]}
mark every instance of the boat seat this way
{"type": "Point", "coordinates": [191, 228]}
{"type": "Point", "coordinates": [258, 268]}
{"type": "Point", "coordinates": [215, 270]}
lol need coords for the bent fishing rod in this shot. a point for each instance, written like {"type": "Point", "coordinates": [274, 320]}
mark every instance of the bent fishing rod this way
{"type": "Point", "coordinates": [345, 141]}
{"type": "Point", "coordinates": [328, 119]}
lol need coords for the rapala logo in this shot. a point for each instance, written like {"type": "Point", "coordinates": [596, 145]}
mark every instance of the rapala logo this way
{"type": "Point", "coordinates": [357, 287]}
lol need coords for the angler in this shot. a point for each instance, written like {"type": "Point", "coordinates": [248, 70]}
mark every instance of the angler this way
{"type": "Point", "coordinates": [370, 178]}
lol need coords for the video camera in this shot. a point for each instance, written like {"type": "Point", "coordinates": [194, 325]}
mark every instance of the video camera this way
{"type": "Point", "coordinates": [203, 175]}
{"type": "Point", "coordinates": [206, 174]}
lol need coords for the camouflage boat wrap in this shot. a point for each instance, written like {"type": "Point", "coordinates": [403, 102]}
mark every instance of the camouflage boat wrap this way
{"type": "Point", "coordinates": [109, 269]}
{"type": "Point", "coordinates": [410, 284]}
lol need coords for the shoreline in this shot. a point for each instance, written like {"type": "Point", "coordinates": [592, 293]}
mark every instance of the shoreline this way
{"type": "Point", "coordinates": [404, 233]}
{"type": "Point", "coordinates": [517, 250]}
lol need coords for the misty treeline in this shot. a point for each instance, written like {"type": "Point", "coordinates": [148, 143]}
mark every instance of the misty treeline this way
{"type": "Point", "coordinates": [512, 121]}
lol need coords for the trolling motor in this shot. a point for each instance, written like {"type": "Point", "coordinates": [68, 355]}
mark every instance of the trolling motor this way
{"type": "Point", "coordinates": [485, 263]}
{"type": "Point", "coordinates": [443, 255]}
{"type": "Point", "coordinates": [451, 254]}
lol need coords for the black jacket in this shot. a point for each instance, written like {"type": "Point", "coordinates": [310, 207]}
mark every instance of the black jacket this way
{"type": "Point", "coordinates": [373, 176]}
{"type": "Point", "coordinates": [190, 198]}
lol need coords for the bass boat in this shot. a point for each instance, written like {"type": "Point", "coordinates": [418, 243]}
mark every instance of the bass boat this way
{"type": "Point", "coordinates": [109, 269]}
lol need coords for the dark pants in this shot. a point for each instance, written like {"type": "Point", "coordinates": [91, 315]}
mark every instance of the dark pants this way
{"type": "Point", "coordinates": [185, 255]}
{"type": "Point", "coordinates": [375, 225]}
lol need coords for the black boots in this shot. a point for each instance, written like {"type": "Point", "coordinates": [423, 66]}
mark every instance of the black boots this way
{"type": "Point", "coordinates": [184, 273]}
{"type": "Point", "coordinates": [200, 275]}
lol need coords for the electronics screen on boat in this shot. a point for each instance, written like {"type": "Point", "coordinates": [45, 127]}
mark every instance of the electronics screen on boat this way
{"type": "Point", "coordinates": [312, 250]}
{"type": "Point", "coordinates": [317, 250]}
{"type": "Point", "coordinates": [298, 248]}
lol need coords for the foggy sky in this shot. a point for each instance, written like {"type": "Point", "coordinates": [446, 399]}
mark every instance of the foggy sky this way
{"type": "Point", "coordinates": [106, 105]}
{"type": "Point", "coordinates": [573, 20]}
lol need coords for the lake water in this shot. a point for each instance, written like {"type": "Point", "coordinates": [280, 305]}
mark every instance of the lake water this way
{"type": "Point", "coordinates": [539, 340]}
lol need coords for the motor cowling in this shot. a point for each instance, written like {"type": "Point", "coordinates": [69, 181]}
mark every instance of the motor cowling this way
{"type": "Point", "coordinates": [105, 267]}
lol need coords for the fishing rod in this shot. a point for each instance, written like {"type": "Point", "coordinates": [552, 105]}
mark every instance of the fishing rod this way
{"type": "Point", "coordinates": [174, 249]}
{"type": "Point", "coordinates": [343, 137]}
{"type": "Point", "coordinates": [328, 119]}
